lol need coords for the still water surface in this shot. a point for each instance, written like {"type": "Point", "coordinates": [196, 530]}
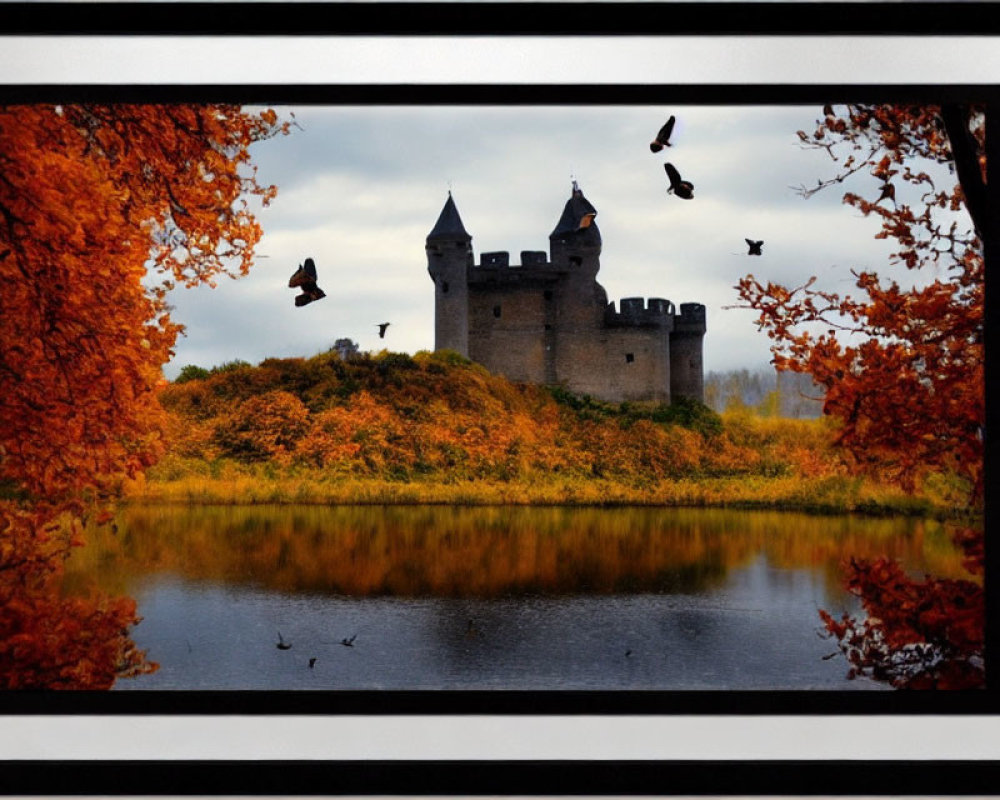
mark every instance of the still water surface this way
{"type": "Point", "coordinates": [491, 598]}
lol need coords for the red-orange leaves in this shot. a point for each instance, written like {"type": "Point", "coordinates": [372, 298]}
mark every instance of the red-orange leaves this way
{"type": "Point", "coordinates": [87, 197]}
{"type": "Point", "coordinates": [911, 395]}
{"type": "Point", "coordinates": [910, 390]}
{"type": "Point", "coordinates": [91, 198]}
{"type": "Point", "coordinates": [263, 427]}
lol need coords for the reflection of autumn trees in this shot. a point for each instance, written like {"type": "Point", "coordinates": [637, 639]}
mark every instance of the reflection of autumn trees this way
{"type": "Point", "coordinates": [91, 199]}
{"type": "Point", "coordinates": [485, 552]}
{"type": "Point", "coordinates": [48, 640]}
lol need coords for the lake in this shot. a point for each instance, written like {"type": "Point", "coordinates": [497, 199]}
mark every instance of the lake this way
{"type": "Point", "coordinates": [446, 597]}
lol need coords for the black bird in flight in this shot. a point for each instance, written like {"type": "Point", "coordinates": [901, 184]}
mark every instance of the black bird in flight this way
{"type": "Point", "coordinates": [312, 662]}
{"type": "Point", "coordinates": [381, 329]}
{"type": "Point", "coordinates": [888, 190]}
{"type": "Point", "coordinates": [663, 137]}
{"type": "Point", "coordinates": [349, 642]}
{"type": "Point", "coordinates": [305, 278]}
{"type": "Point", "coordinates": [282, 644]}
{"type": "Point", "coordinates": [754, 247]}
{"type": "Point", "coordinates": [679, 187]}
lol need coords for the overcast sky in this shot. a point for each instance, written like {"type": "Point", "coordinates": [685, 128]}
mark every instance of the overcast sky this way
{"type": "Point", "coordinates": [359, 189]}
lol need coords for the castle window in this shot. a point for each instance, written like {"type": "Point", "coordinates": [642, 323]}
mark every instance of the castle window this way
{"type": "Point", "coordinates": [444, 287]}
{"type": "Point", "coordinates": [629, 358]}
{"type": "Point", "coordinates": [496, 311]}
{"type": "Point", "coordinates": [548, 294]}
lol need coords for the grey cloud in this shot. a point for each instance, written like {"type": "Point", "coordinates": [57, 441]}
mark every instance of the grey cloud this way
{"type": "Point", "coordinates": [360, 187]}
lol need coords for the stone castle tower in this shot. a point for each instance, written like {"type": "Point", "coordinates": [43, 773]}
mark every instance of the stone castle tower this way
{"type": "Point", "coordinates": [549, 321]}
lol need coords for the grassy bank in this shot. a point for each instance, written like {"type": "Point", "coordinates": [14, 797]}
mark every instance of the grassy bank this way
{"type": "Point", "coordinates": [231, 483]}
{"type": "Point", "coordinates": [436, 428]}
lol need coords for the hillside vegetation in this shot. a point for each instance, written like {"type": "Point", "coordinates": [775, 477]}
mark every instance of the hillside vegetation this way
{"type": "Point", "coordinates": [436, 427]}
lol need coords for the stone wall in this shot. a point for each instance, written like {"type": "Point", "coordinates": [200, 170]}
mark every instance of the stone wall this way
{"type": "Point", "coordinates": [687, 368]}
{"type": "Point", "coordinates": [547, 320]}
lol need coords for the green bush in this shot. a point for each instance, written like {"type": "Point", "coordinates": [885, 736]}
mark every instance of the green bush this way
{"type": "Point", "coordinates": [230, 366]}
{"type": "Point", "coordinates": [690, 414]}
{"type": "Point", "coordinates": [191, 372]}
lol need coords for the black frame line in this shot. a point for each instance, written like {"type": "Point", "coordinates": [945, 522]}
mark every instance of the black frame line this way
{"type": "Point", "coordinates": [495, 94]}
{"type": "Point", "coordinates": [445, 702]}
{"type": "Point", "coordinates": [968, 18]}
{"type": "Point", "coordinates": [874, 779]}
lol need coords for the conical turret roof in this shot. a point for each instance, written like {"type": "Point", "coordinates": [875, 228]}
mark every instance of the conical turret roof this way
{"type": "Point", "coordinates": [578, 214]}
{"type": "Point", "coordinates": [449, 224]}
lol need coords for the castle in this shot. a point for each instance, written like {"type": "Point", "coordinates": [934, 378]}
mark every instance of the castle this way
{"type": "Point", "coordinates": [548, 320]}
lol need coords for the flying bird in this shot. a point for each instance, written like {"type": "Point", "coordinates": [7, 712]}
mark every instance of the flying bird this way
{"type": "Point", "coordinates": [754, 247]}
{"type": "Point", "coordinates": [679, 187]}
{"type": "Point", "coordinates": [282, 644]}
{"type": "Point", "coordinates": [663, 137]}
{"type": "Point", "coordinates": [312, 662]}
{"type": "Point", "coordinates": [305, 278]}
{"type": "Point", "coordinates": [888, 190]}
{"type": "Point", "coordinates": [381, 329]}
{"type": "Point", "coordinates": [349, 642]}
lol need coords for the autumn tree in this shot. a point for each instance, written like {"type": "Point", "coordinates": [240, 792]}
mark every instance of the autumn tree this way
{"type": "Point", "coordinates": [902, 365]}
{"type": "Point", "coordinates": [94, 200]}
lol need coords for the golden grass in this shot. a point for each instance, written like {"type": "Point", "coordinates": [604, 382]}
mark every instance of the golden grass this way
{"type": "Point", "coordinates": [239, 484]}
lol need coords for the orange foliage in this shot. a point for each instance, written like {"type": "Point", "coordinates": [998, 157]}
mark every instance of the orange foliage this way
{"type": "Point", "coordinates": [264, 426]}
{"type": "Point", "coordinates": [910, 394]}
{"type": "Point", "coordinates": [395, 417]}
{"type": "Point", "coordinates": [91, 198]}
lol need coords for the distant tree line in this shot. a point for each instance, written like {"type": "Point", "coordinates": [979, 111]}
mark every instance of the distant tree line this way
{"type": "Point", "coordinates": [766, 391]}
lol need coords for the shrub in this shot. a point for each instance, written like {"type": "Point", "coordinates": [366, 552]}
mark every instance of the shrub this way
{"type": "Point", "coordinates": [262, 427]}
{"type": "Point", "coordinates": [690, 414]}
{"type": "Point", "coordinates": [191, 372]}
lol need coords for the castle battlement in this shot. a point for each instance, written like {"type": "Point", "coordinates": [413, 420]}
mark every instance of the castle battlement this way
{"type": "Point", "coordinates": [691, 319]}
{"type": "Point", "coordinates": [637, 311]}
{"type": "Point", "coordinates": [498, 258]}
{"type": "Point", "coordinates": [501, 258]}
{"type": "Point", "coordinates": [547, 320]}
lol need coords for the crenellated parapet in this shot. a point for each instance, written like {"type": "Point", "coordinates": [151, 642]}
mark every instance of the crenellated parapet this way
{"type": "Point", "coordinates": [639, 312]}
{"type": "Point", "coordinates": [498, 258]}
{"type": "Point", "coordinates": [494, 270]}
{"type": "Point", "coordinates": [501, 258]}
{"type": "Point", "coordinates": [691, 319]}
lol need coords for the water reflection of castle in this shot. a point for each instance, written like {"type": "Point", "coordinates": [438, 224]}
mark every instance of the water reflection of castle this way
{"type": "Point", "coordinates": [548, 320]}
